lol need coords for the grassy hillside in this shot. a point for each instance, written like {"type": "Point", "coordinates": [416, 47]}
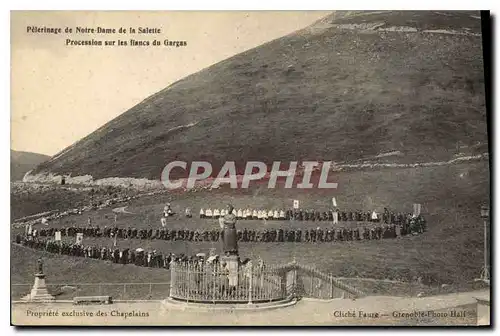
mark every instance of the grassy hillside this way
{"type": "Point", "coordinates": [64, 270]}
{"type": "Point", "coordinates": [345, 88]}
{"type": "Point", "coordinates": [29, 199]}
{"type": "Point", "coordinates": [22, 162]}
{"type": "Point", "coordinates": [450, 252]}
{"type": "Point", "coordinates": [352, 86]}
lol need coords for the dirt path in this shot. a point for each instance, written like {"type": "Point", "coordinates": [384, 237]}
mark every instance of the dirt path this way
{"type": "Point", "coordinates": [122, 210]}
{"type": "Point", "coordinates": [452, 309]}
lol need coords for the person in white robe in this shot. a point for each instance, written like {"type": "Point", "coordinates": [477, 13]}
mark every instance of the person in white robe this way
{"type": "Point", "coordinates": [335, 216]}
{"type": "Point", "coordinates": [208, 213]}
{"type": "Point", "coordinates": [216, 214]}
{"type": "Point", "coordinates": [239, 214]}
{"type": "Point", "coordinates": [166, 209]}
{"type": "Point", "coordinates": [163, 222]}
{"type": "Point", "coordinates": [202, 213]}
{"type": "Point", "coordinates": [255, 214]}
{"type": "Point", "coordinates": [276, 215]}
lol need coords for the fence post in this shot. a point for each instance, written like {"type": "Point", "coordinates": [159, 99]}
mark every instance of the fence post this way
{"type": "Point", "coordinates": [188, 282]}
{"type": "Point", "coordinates": [261, 274]}
{"type": "Point", "coordinates": [215, 280]}
{"type": "Point", "coordinates": [204, 282]}
{"type": "Point", "coordinates": [282, 280]}
{"type": "Point", "coordinates": [150, 288]}
{"type": "Point", "coordinates": [295, 281]}
{"type": "Point", "coordinates": [172, 278]}
{"type": "Point", "coordinates": [312, 284]}
{"type": "Point", "coordinates": [330, 280]}
{"type": "Point", "coordinates": [250, 287]}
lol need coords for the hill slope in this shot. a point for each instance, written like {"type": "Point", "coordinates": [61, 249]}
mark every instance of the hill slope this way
{"type": "Point", "coordinates": [450, 252]}
{"type": "Point", "coordinates": [351, 86]}
{"type": "Point", "coordinates": [22, 162]}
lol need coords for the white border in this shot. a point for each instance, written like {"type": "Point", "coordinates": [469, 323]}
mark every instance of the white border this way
{"type": "Point", "coordinates": [255, 5]}
{"type": "Point", "coordinates": [180, 5]}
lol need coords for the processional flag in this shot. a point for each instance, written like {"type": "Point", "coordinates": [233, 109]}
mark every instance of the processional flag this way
{"type": "Point", "coordinates": [79, 238]}
{"type": "Point", "coordinates": [416, 209]}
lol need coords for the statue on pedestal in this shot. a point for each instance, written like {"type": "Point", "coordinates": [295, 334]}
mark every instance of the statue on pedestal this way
{"type": "Point", "coordinates": [229, 236]}
{"type": "Point", "coordinates": [40, 266]}
{"type": "Point", "coordinates": [39, 291]}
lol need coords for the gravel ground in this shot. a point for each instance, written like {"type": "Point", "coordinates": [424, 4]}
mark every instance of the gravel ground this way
{"type": "Point", "coordinates": [452, 309]}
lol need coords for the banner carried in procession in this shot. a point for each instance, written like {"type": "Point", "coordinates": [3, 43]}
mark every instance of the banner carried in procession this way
{"type": "Point", "coordinates": [416, 209]}
{"type": "Point", "coordinates": [334, 202]}
{"type": "Point", "coordinates": [58, 236]}
{"type": "Point", "coordinates": [295, 204]}
{"type": "Point", "coordinates": [28, 229]}
{"type": "Point", "coordinates": [79, 238]}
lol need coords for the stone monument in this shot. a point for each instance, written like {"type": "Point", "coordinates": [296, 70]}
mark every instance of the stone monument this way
{"type": "Point", "coordinates": [230, 246]}
{"type": "Point", "coordinates": [39, 291]}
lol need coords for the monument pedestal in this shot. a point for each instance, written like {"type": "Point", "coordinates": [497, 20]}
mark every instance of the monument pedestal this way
{"type": "Point", "coordinates": [39, 291]}
{"type": "Point", "coordinates": [232, 266]}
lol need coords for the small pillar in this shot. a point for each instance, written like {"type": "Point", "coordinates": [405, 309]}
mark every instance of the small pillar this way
{"type": "Point", "coordinates": [39, 291]}
{"type": "Point", "coordinates": [230, 246]}
{"type": "Point", "coordinates": [232, 265]}
{"type": "Point", "coordinates": [483, 310]}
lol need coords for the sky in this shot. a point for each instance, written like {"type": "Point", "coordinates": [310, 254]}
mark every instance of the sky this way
{"type": "Point", "coordinates": [61, 93]}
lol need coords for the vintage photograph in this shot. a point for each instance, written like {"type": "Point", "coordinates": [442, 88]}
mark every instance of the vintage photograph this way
{"type": "Point", "coordinates": [250, 168]}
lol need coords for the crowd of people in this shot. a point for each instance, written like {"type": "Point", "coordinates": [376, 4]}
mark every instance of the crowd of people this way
{"type": "Point", "coordinates": [335, 215]}
{"type": "Point", "coordinates": [138, 257]}
{"type": "Point", "coordinates": [413, 225]}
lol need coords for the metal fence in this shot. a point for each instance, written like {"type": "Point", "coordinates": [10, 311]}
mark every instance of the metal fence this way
{"type": "Point", "coordinates": [312, 286]}
{"type": "Point", "coordinates": [118, 291]}
{"type": "Point", "coordinates": [213, 283]}
{"type": "Point", "coordinates": [306, 281]}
